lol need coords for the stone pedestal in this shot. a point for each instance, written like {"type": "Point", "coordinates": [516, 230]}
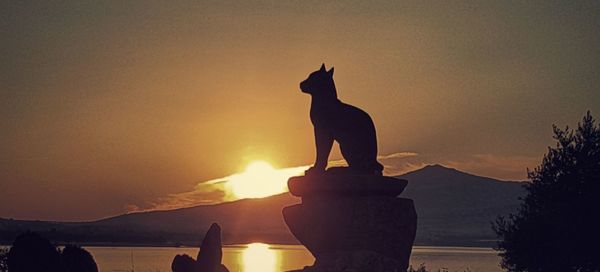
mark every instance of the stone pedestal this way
{"type": "Point", "coordinates": [353, 223]}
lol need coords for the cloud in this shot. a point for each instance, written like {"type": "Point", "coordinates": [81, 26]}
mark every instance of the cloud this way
{"type": "Point", "coordinates": [501, 167]}
{"type": "Point", "coordinates": [220, 190]}
{"type": "Point", "coordinates": [130, 208]}
{"type": "Point", "coordinates": [512, 168]}
{"type": "Point", "coordinates": [398, 155]}
{"type": "Point", "coordinates": [204, 193]}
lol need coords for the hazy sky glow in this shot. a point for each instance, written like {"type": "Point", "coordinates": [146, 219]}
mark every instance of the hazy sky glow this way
{"type": "Point", "coordinates": [106, 105]}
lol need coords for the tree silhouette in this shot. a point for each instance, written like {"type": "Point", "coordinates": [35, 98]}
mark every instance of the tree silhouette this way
{"type": "Point", "coordinates": [556, 227]}
{"type": "Point", "coordinates": [3, 259]}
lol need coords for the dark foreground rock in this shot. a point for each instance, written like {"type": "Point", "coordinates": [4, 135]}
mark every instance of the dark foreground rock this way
{"type": "Point", "coordinates": [363, 226]}
{"type": "Point", "coordinates": [209, 257]}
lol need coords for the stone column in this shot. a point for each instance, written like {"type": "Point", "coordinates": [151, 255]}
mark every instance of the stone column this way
{"type": "Point", "coordinates": [353, 222]}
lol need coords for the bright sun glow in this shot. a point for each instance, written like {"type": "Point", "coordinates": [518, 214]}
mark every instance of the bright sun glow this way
{"type": "Point", "coordinates": [260, 179]}
{"type": "Point", "coordinates": [258, 257]}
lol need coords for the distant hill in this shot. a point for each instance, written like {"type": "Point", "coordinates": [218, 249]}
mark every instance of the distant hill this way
{"type": "Point", "coordinates": [247, 220]}
{"type": "Point", "coordinates": [454, 208]}
{"type": "Point", "coordinates": [457, 208]}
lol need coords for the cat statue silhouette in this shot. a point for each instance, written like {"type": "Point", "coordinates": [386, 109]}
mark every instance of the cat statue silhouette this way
{"type": "Point", "coordinates": [334, 120]}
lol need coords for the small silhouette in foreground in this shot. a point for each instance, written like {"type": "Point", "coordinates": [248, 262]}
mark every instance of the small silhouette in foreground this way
{"type": "Point", "coordinates": [557, 227]}
{"type": "Point", "coordinates": [77, 259]}
{"type": "Point", "coordinates": [209, 257]}
{"type": "Point", "coordinates": [350, 126]}
{"type": "Point", "coordinates": [31, 252]}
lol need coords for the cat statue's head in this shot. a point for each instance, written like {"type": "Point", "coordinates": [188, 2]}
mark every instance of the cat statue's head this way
{"type": "Point", "coordinates": [319, 83]}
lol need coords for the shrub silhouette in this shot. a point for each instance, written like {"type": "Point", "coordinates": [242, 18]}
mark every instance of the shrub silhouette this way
{"type": "Point", "coordinates": [31, 252]}
{"type": "Point", "coordinates": [77, 259]}
{"type": "Point", "coordinates": [556, 227]}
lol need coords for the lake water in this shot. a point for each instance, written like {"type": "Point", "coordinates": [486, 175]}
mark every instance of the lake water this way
{"type": "Point", "coordinates": [275, 258]}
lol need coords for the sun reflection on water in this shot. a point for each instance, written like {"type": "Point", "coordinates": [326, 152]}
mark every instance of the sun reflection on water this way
{"type": "Point", "coordinates": [258, 257]}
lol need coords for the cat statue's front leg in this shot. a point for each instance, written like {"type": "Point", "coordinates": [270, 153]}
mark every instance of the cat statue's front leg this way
{"type": "Point", "coordinates": [323, 142]}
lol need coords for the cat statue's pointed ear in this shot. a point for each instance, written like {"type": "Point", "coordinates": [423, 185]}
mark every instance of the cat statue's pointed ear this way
{"type": "Point", "coordinates": [330, 72]}
{"type": "Point", "coordinates": [322, 67]}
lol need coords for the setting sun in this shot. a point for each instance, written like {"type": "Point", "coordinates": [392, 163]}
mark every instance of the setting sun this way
{"type": "Point", "coordinates": [261, 179]}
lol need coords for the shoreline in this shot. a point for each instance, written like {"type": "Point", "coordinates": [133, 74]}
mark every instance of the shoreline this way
{"type": "Point", "coordinates": [271, 246]}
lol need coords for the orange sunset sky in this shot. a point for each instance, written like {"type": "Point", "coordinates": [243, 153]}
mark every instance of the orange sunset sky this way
{"type": "Point", "coordinates": [115, 105]}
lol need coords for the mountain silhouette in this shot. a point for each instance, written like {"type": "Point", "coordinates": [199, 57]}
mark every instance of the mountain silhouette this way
{"type": "Point", "coordinates": [454, 208]}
